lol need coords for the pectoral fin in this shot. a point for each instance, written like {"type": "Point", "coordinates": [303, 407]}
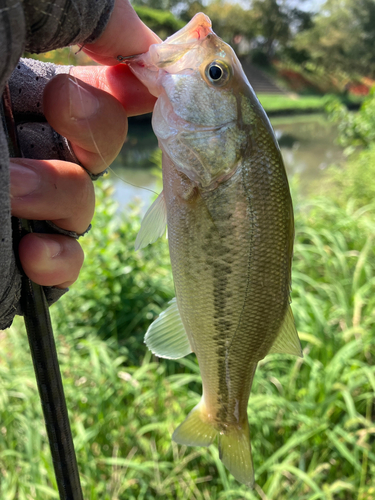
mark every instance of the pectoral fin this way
{"type": "Point", "coordinates": [166, 336]}
{"type": "Point", "coordinates": [153, 223]}
{"type": "Point", "coordinates": [287, 341]}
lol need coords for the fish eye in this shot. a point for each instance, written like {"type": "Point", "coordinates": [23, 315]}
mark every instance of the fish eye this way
{"type": "Point", "coordinates": [217, 72]}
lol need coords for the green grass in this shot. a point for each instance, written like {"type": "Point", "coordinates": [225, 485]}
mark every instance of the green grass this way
{"type": "Point", "coordinates": [288, 104]}
{"type": "Point", "coordinates": [275, 104]}
{"type": "Point", "coordinates": [311, 419]}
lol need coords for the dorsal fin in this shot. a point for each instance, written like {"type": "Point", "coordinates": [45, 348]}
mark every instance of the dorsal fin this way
{"type": "Point", "coordinates": [287, 341]}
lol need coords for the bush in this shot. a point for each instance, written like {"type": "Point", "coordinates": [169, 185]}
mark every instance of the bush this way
{"type": "Point", "coordinates": [355, 129]}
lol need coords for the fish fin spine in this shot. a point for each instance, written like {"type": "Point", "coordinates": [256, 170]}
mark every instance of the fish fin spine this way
{"type": "Point", "coordinates": [235, 453]}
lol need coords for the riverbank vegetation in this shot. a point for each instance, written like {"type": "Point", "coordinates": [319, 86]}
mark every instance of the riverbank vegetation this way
{"type": "Point", "coordinates": [312, 419]}
{"type": "Point", "coordinates": [283, 104]}
{"type": "Point", "coordinates": [292, 103]}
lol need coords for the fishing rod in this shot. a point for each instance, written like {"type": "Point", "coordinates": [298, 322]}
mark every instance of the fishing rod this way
{"type": "Point", "coordinates": [43, 350]}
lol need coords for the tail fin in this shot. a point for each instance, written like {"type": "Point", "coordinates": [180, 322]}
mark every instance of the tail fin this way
{"type": "Point", "coordinates": [235, 453]}
{"type": "Point", "coordinates": [196, 429]}
{"type": "Point", "coordinates": [234, 442]}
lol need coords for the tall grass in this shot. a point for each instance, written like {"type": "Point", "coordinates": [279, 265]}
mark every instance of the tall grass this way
{"type": "Point", "coordinates": [312, 420]}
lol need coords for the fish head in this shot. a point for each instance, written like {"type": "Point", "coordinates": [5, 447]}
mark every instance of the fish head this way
{"type": "Point", "coordinates": [206, 106]}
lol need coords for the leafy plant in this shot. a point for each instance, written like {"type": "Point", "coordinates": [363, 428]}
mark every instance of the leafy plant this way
{"type": "Point", "coordinates": [355, 129]}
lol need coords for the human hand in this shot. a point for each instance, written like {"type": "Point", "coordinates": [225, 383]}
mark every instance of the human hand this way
{"type": "Point", "coordinates": [90, 108]}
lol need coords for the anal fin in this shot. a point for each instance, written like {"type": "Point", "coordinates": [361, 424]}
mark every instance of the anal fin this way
{"type": "Point", "coordinates": [196, 429]}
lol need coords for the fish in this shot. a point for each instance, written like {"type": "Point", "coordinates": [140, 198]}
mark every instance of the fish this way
{"type": "Point", "coordinates": [227, 205]}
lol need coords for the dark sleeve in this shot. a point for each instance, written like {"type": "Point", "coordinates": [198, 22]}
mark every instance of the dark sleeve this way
{"type": "Point", "coordinates": [37, 26]}
{"type": "Point", "coordinates": [37, 139]}
{"type": "Point", "coordinates": [10, 278]}
{"type": "Point", "coordinates": [52, 25]}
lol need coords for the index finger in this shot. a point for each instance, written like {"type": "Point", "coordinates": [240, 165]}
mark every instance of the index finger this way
{"type": "Point", "coordinates": [120, 82]}
{"type": "Point", "coordinates": [125, 35]}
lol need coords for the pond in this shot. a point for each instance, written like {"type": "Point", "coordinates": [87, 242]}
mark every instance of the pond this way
{"type": "Point", "coordinates": [307, 143]}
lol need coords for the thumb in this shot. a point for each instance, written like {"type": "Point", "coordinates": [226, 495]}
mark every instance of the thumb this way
{"type": "Point", "coordinates": [125, 35]}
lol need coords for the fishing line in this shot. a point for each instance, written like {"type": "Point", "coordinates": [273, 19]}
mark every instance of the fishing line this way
{"type": "Point", "coordinates": [107, 166]}
{"type": "Point", "coordinates": [130, 184]}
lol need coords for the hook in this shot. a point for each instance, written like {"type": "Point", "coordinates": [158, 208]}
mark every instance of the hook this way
{"type": "Point", "coordinates": [123, 59]}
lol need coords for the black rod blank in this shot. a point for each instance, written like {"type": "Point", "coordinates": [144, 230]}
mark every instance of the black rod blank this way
{"type": "Point", "coordinates": [48, 376]}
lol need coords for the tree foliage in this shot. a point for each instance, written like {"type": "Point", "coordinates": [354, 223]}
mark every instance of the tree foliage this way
{"type": "Point", "coordinates": [338, 38]}
{"type": "Point", "coordinates": [162, 22]}
{"type": "Point", "coordinates": [272, 24]}
{"type": "Point", "coordinates": [342, 37]}
{"type": "Point", "coordinates": [357, 135]}
{"type": "Point", "coordinates": [232, 22]}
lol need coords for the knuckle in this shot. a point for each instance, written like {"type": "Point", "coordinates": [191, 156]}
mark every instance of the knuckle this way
{"type": "Point", "coordinates": [83, 199]}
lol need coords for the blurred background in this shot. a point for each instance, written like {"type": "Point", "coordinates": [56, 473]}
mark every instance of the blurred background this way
{"type": "Point", "coordinates": [312, 420]}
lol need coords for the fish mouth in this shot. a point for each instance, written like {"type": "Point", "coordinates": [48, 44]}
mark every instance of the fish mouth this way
{"type": "Point", "coordinates": [181, 51]}
{"type": "Point", "coordinates": [169, 52]}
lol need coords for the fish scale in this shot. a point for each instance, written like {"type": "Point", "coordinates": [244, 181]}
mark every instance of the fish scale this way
{"type": "Point", "coordinates": [228, 208]}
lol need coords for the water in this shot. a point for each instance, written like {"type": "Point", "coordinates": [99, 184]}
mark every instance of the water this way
{"type": "Point", "coordinates": [307, 143]}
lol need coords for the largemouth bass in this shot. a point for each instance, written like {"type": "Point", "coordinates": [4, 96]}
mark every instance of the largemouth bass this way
{"type": "Point", "coordinates": [227, 205]}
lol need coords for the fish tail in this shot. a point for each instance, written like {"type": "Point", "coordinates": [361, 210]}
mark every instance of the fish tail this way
{"type": "Point", "coordinates": [234, 442]}
{"type": "Point", "coordinates": [196, 429]}
{"type": "Point", "coordinates": [235, 453]}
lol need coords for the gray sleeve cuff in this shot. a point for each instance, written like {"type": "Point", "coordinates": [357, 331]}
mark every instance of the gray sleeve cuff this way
{"type": "Point", "coordinates": [37, 138]}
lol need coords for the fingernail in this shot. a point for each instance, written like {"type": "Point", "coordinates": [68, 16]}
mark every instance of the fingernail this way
{"type": "Point", "coordinates": [52, 248]}
{"type": "Point", "coordinates": [23, 180]}
{"type": "Point", "coordinates": [82, 104]}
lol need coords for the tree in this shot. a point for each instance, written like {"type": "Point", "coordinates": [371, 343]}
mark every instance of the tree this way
{"type": "Point", "coordinates": [272, 24]}
{"type": "Point", "coordinates": [164, 23]}
{"type": "Point", "coordinates": [232, 22]}
{"type": "Point", "coordinates": [342, 37]}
